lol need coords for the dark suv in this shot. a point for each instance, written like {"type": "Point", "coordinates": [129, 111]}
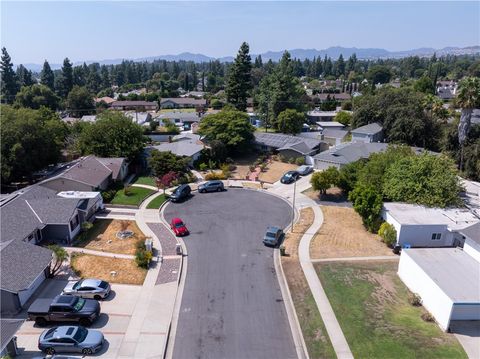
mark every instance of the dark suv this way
{"type": "Point", "coordinates": [181, 192]}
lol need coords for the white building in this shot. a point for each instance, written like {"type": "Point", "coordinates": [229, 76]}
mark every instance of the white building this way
{"type": "Point", "coordinates": [447, 280]}
{"type": "Point", "coordinates": [420, 226]}
{"type": "Point", "coordinates": [372, 132]}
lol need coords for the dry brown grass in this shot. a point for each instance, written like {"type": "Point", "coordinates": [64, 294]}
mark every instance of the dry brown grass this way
{"type": "Point", "coordinates": [343, 235]}
{"type": "Point", "coordinates": [105, 239]}
{"type": "Point", "coordinates": [275, 171]}
{"type": "Point", "coordinates": [253, 185]}
{"type": "Point", "coordinates": [89, 266]}
{"type": "Point", "coordinates": [240, 172]}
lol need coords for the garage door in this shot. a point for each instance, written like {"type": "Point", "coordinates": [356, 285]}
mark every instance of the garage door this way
{"type": "Point", "coordinates": [24, 295]}
{"type": "Point", "coordinates": [465, 311]}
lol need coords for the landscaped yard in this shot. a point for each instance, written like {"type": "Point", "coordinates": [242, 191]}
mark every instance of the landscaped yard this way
{"type": "Point", "coordinates": [134, 197]}
{"type": "Point", "coordinates": [147, 180]}
{"type": "Point", "coordinates": [157, 202]}
{"type": "Point", "coordinates": [89, 266]}
{"type": "Point", "coordinates": [313, 329]}
{"type": "Point", "coordinates": [102, 236]}
{"type": "Point", "coordinates": [371, 304]}
{"type": "Point", "coordinates": [343, 235]}
{"type": "Point", "coordinates": [275, 171]}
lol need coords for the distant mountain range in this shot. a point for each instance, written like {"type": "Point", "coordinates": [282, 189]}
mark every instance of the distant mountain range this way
{"type": "Point", "coordinates": [333, 52]}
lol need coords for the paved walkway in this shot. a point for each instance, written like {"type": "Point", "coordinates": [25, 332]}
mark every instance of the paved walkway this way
{"type": "Point", "coordinates": [145, 186]}
{"type": "Point", "coordinates": [98, 253]}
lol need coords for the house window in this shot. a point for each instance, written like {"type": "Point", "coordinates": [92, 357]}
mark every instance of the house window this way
{"type": "Point", "coordinates": [74, 223]}
{"type": "Point", "coordinates": [436, 236]}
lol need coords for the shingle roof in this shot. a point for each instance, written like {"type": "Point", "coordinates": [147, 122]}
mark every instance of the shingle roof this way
{"type": "Point", "coordinates": [184, 101]}
{"type": "Point", "coordinates": [21, 264]}
{"type": "Point", "coordinates": [113, 163]}
{"type": "Point", "coordinates": [89, 170]}
{"type": "Point", "coordinates": [132, 104]}
{"type": "Point", "coordinates": [181, 116]}
{"type": "Point", "coordinates": [370, 129]}
{"type": "Point", "coordinates": [17, 220]}
{"type": "Point", "coordinates": [55, 211]}
{"type": "Point", "coordinates": [300, 147]}
{"type": "Point", "coordinates": [350, 152]}
{"type": "Point", "coordinates": [334, 133]}
{"type": "Point", "coordinates": [281, 141]}
{"type": "Point", "coordinates": [180, 148]}
{"type": "Point", "coordinates": [472, 232]}
{"type": "Point", "coordinates": [8, 328]}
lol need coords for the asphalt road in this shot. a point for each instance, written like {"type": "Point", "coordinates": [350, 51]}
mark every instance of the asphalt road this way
{"type": "Point", "coordinates": [232, 306]}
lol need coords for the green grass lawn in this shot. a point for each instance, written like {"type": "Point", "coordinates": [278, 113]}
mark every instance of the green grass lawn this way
{"type": "Point", "coordinates": [157, 202]}
{"type": "Point", "coordinates": [135, 196]}
{"type": "Point", "coordinates": [371, 304]}
{"type": "Point", "coordinates": [148, 180]}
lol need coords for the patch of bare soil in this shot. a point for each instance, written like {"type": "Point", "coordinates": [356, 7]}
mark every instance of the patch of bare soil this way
{"type": "Point", "coordinates": [275, 170]}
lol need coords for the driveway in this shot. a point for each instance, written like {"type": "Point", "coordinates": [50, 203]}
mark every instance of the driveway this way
{"type": "Point", "coordinates": [232, 306]}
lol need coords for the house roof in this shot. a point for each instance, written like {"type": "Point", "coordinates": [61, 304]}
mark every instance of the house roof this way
{"type": "Point", "coordinates": [181, 116]}
{"type": "Point", "coordinates": [8, 329]}
{"type": "Point", "coordinates": [325, 124]}
{"type": "Point", "coordinates": [21, 263]}
{"type": "Point", "coordinates": [106, 99]}
{"type": "Point", "coordinates": [184, 101]}
{"type": "Point", "coordinates": [88, 118]}
{"type": "Point", "coordinates": [282, 141]}
{"type": "Point", "coordinates": [472, 232]}
{"type": "Point", "coordinates": [113, 163]}
{"type": "Point", "coordinates": [337, 96]}
{"type": "Point", "coordinates": [54, 211]}
{"type": "Point", "coordinates": [133, 104]}
{"type": "Point", "coordinates": [300, 147]}
{"type": "Point", "coordinates": [88, 170]}
{"type": "Point", "coordinates": [318, 113]}
{"type": "Point", "coordinates": [455, 272]}
{"type": "Point", "coordinates": [139, 117]}
{"type": "Point", "coordinates": [180, 148]}
{"type": "Point", "coordinates": [350, 152]}
{"type": "Point", "coordinates": [370, 129]}
{"type": "Point", "coordinates": [334, 133]}
{"type": "Point", "coordinates": [412, 214]}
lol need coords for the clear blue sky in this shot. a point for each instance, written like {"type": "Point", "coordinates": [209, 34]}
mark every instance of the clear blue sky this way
{"type": "Point", "coordinates": [34, 31]}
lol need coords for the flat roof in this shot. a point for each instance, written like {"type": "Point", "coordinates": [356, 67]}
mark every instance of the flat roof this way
{"type": "Point", "coordinates": [455, 272]}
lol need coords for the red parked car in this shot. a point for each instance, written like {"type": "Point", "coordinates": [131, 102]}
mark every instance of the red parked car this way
{"type": "Point", "coordinates": [178, 227]}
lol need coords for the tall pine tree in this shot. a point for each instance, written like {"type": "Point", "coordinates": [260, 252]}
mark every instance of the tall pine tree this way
{"type": "Point", "coordinates": [24, 76]}
{"type": "Point", "coordinates": [239, 80]}
{"type": "Point", "coordinates": [46, 76]}
{"type": "Point", "coordinates": [9, 86]}
{"type": "Point", "coordinates": [67, 77]}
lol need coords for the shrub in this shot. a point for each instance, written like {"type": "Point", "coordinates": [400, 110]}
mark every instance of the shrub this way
{"type": "Point", "coordinates": [86, 226]}
{"type": "Point", "coordinates": [225, 170]}
{"type": "Point", "coordinates": [414, 299]}
{"type": "Point", "coordinates": [300, 161]}
{"type": "Point", "coordinates": [203, 166]}
{"type": "Point", "coordinates": [427, 317]}
{"type": "Point", "coordinates": [108, 195]}
{"type": "Point", "coordinates": [291, 160]}
{"type": "Point", "coordinates": [127, 191]}
{"type": "Point", "coordinates": [263, 167]}
{"type": "Point", "coordinates": [282, 158]}
{"type": "Point", "coordinates": [212, 164]}
{"type": "Point", "coordinates": [214, 176]}
{"type": "Point", "coordinates": [388, 234]}
{"type": "Point", "coordinates": [142, 256]}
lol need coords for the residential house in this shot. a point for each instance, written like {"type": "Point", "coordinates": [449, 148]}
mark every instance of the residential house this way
{"type": "Point", "coordinates": [447, 281]}
{"type": "Point", "coordinates": [471, 236]}
{"type": "Point", "coordinates": [105, 99]}
{"type": "Point", "coordinates": [322, 97]}
{"type": "Point", "coordinates": [88, 118]}
{"type": "Point", "coordinates": [317, 115]}
{"type": "Point", "coordinates": [334, 125]}
{"type": "Point", "coordinates": [184, 119]}
{"type": "Point", "coordinates": [196, 94]}
{"type": "Point", "coordinates": [187, 145]}
{"type": "Point", "coordinates": [289, 146]}
{"type": "Point", "coordinates": [183, 102]}
{"type": "Point", "coordinates": [372, 132]}
{"type": "Point", "coordinates": [140, 118]}
{"type": "Point", "coordinates": [8, 340]}
{"type": "Point", "coordinates": [141, 106]}
{"type": "Point", "coordinates": [446, 90]}
{"type": "Point", "coordinates": [420, 226]}
{"type": "Point", "coordinates": [89, 174]}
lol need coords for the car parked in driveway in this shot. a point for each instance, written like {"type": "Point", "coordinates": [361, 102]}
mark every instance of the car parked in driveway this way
{"type": "Point", "coordinates": [273, 237]}
{"type": "Point", "coordinates": [181, 193]}
{"type": "Point", "coordinates": [211, 186]}
{"type": "Point", "coordinates": [178, 227]}
{"type": "Point", "coordinates": [70, 339]}
{"type": "Point", "coordinates": [305, 170]}
{"type": "Point", "coordinates": [290, 177]}
{"type": "Point", "coordinates": [88, 288]}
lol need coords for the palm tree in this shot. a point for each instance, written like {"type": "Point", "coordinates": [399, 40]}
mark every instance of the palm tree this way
{"type": "Point", "coordinates": [468, 98]}
{"type": "Point", "coordinates": [59, 256]}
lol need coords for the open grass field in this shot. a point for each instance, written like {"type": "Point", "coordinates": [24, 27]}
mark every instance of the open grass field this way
{"type": "Point", "coordinates": [89, 266]}
{"type": "Point", "coordinates": [275, 171]}
{"type": "Point", "coordinates": [148, 180]}
{"type": "Point", "coordinates": [313, 329]}
{"type": "Point", "coordinates": [157, 202]}
{"type": "Point", "coordinates": [102, 236]}
{"type": "Point", "coordinates": [343, 235]}
{"type": "Point", "coordinates": [371, 305]}
{"type": "Point", "coordinates": [135, 196]}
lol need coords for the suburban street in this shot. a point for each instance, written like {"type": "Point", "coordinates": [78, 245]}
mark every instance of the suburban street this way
{"type": "Point", "coordinates": [232, 305]}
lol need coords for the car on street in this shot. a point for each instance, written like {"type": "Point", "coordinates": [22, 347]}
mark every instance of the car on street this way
{"type": "Point", "coordinates": [211, 186]}
{"type": "Point", "coordinates": [64, 308]}
{"type": "Point", "coordinates": [181, 193]}
{"type": "Point", "coordinates": [178, 227]}
{"type": "Point", "coordinates": [88, 288]}
{"type": "Point", "coordinates": [305, 170]}
{"type": "Point", "coordinates": [273, 237]}
{"type": "Point", "coordinates": [290, 177]}
{"type": "Point", "coordinates": [70, 339]}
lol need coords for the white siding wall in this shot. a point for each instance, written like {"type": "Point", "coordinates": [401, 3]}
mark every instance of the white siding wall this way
{"type": "Point", "coordinates": [25, 295]}
{"type": "Point", "coordinates": [472, 248]}
{"type": "Point", "coordinates": [433, 298]}
{"type": "Point", "coordinates": [388, 218]}
{"type": "Point", "coordinates": [360, 137]}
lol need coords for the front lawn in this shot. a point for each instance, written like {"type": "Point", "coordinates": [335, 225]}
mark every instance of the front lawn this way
{"type": "Point", "coordinates": [157, 202]}
{"type": "Point", "coordinates": [126, 270]}
{"type": "Point", "coordinates": [147, 180]}
{"type": "Point", "coordinates": [134, 196]}
{"type": "Point", "coordinates": [371, 305]}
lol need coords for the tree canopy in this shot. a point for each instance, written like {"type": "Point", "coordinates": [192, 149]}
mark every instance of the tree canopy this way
{"type": "Point", "coordinates": [9, 86]}
{"type": "Point", "coordinates": [164, 163]}
{"type": "Point", "coordinates": [239, 79]}
{"type": "Point", "coordinates": [290, 121]}
{"type": "Point", "coordinates": [36, 96]}
{"type": "Point", "coordinates": [80, 102]}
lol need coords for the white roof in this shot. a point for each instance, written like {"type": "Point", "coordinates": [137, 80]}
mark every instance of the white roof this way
{"type": "Point", "coordinates": [322, 113]}
{"type": "Point", "coordinates": [471, 196]}
{"type": "Point", "coordinates": [78, 194]}
{"type": "Point", "coordinates": [330, 124]}
{"type": "Point", "coordinates": [454, 218]}
{"type": "Point", "coordinates": [455, 272]}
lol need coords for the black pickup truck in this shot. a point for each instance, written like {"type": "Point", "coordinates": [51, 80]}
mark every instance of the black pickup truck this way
{"type": "Point", "coordinates": [64, 308]}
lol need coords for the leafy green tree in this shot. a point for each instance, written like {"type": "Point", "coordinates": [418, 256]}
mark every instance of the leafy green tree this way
{"type": "Point", "coordinates": [379, 74]}
{"type": "Point", "coordinates": [66, 84]}
{"type": "Point", "coordinates": [112, 135]}
{"type": "Point", "coordinates": [367, 202]}
{"type": "Point", "coordinates": [24, 76]}
{"type": "Point", "coordinates": [424, 84]}
{"type": "Point", "coordinates": [9, 86]}
{"type": "Point", "coordinates": [388, 233]}
{"type": "Point", "coordinates": [229, 126]}
{"type": "Point", "coordinates": [31, 140]}
{"type": "Point", "coordinates": [348, 175]}
{"type": "Point", "coordinates": [47, 77]}
{"type": "Point", "coordinates": [345, 118]}
{"type": "Point", "coordinates": [60, 255]}
{"type": "Point", "coordinates": [322, 181]}
{"type": "Point", "coordinates": [427, 179]}
{"type": "Point", "coordinates": [36, 96]}
{"type": "Point", "coordinates": [290, 121]}
{"type": "Point", "coordinates": [163, 163]}
{"type": "Point", "coordinates": [80, 102]}
{"type": "Point", "coordinates": [239, 81]}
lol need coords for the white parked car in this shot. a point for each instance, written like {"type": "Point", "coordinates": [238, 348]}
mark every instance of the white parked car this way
{"type": "Point", "coordinates": [304, 170]}
{"type": "Point", "coordinates": [88, 288]}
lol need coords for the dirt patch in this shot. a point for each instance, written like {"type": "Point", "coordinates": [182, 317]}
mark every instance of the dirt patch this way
{"type": "Point", "coordinates": [104, 237]}
{"type": "Point", "coordinates": [240, 172]}
{"type": "Point", "coordinates": [275, 170]}
{"type": "Point", "coordinates": [89, 266]}
{"type": "Point", "coordinates": [252, 185]}
{"type": "Point", "coordinates": [343, 235]}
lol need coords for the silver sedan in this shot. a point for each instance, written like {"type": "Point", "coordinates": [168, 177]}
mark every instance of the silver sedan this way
{"type": "Point", "coordinates": [70, 340]}
{"type": "Point", "coordinates": [88, 288]}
